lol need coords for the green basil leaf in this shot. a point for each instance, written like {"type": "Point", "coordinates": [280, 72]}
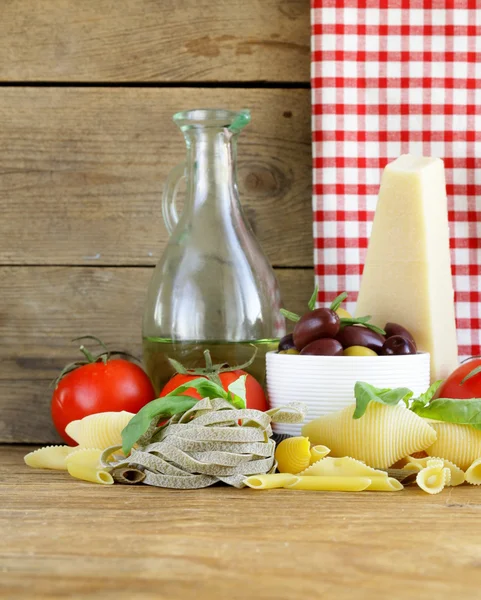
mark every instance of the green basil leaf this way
{"type": "Point", "coordinates": [290, 315]}
{"type": "Point", "coordinates": [336, 303]}
{"type": "Point", "coordinates": [205, 387]}
{"type": "Point", "coordinates": [312, 302]}
{"type": "Point", "coordinates": [237, 390]}
{"type": "Point", "coordinates": [161, 408]}
{"type": "Point", "coordinates": [365, 393]}
{"type": "Point", "coordinates": [460, 412]}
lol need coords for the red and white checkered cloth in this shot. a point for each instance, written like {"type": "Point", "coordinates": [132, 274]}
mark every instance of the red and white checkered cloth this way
{"type": "Point", "coordinates": [391, 77]}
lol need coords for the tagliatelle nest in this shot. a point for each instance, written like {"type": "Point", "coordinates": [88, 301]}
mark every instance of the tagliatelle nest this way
{"type": "Point", "coordinates": [211, 442]}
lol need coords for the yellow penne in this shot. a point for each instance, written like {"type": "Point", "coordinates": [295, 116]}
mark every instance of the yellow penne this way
{"type": "Point", "coordinates": [100, 430]}
{"type": "Point", "coordinates": [434, 478]}
{"type": "Point", "coordinates": [89, 474]}
{"type": "Point", "coordinates": [416, 464]}
{"type": "Point", "coordinates": [385, 484]}
{"type": "Point", "coordinates": [50, 457]}
{"type": "Point", "coordinates": [269, 482]}
{"type": "Point", "coordinates": [293, 454]}
{"type": "Point", "coordinates": [461, 444]}
{"type": "Point", "coordinates": [329, 484]}
{"type": "Point", "coordinates": [318, 452]}
{"type": "Point", "coordinates": [473, 474]}
{"type": "Point", "coordinates": [350, 467]}
{"type": "Point", "coordinates": [85, 464]}
{"type": "Point", "coordinates": [382, 436]}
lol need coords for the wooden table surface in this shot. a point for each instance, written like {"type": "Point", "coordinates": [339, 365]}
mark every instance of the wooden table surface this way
{"type": "Point", "coordinates": [63, 538]}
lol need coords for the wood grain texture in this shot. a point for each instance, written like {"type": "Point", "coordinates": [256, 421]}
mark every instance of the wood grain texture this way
{"type": "Point", "coordinates": [65, 538]}
{"type": "Point", "coordinates": [148, 40]}
{"type": "Point", "coordinates": [43, 308]}
{"type": "Point", "coordinates": [82, 172]}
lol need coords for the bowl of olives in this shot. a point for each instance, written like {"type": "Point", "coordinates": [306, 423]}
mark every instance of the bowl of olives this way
{"type": "Point", "coordinates": [329, 351]}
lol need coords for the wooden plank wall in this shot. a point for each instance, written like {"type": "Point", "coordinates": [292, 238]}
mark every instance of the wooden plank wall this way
{"type": "Point", "coordinates": [87, 90]}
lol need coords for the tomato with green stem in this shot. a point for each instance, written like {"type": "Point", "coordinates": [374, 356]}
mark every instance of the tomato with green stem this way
{"type": "Point", "coordinates": [224, 375]}
{"type": "Point", "coordinates": [464, 382]}
{"type": "Point", "coordinates": [98, 384]}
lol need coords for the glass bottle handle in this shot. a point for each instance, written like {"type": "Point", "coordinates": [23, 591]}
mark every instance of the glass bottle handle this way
{"type": "Point", "coordinates": [169, 209]}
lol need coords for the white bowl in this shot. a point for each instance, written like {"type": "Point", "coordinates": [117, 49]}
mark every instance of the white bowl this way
{"type": "Point", "coordinates": [326, 383]}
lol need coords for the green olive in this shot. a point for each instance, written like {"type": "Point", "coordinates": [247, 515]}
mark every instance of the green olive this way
{"type": "Point", "coordinates": [289, 351]}
{"type": "Point", "coordinates": [358, 351]}
{"type": "Point", "coordinates": [343, 314]}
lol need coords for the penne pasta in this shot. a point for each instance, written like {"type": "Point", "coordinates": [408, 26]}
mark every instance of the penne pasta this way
{"type": "Point", "coordinates": [269, 482]}
{"type": "Point", "coordinates": [49, 457]}
{"type": "Point", "coordinates": [381, 437]}
{"type": "Point", "coordinates": [100, 430]}
{"type": "Point", "coordinates": [293, 455]}
{"type": "Point", "coordinates": [350, 467]}
{"type": "Point", "coordinates": [460, 444]}
{"type": "Point", "coordinates": [85, 464]}
{"type": "Point", "coordinates": [473, 474]}
{"type": "Point", "coordinates": [329, 484]}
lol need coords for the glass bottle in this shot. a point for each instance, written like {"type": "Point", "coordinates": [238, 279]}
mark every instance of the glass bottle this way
{"type": "Point", "coordinates": [213, 287]}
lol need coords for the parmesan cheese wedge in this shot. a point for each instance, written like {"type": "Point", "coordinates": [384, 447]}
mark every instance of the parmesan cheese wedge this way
{"type": "Point", "coordinates": [407, 274]}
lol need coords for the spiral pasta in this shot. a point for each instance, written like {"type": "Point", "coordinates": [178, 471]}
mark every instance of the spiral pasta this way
{"type": "Point", "coordinates": [382, 436]}
{"type": "Point", "coordinates": [461, 444]}
{"type": "Point", "coordinates": [100, 430]}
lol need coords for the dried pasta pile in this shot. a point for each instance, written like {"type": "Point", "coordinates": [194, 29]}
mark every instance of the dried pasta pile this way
{"type": "Point", "coordinates": [209, 443]}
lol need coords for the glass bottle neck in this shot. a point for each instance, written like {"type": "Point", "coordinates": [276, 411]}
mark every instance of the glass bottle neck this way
{"type": "Point", "coordinates": [211, 168]}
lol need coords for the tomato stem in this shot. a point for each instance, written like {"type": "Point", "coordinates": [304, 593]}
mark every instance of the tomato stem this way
{"type": "Point", "coordinates": [88, 355]}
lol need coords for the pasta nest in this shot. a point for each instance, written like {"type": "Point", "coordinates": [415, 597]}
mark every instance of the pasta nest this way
{"type": "Point", "coordinates": [211, 442]}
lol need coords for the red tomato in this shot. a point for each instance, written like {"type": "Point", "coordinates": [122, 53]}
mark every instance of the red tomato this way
{"type": "Point", "coordinates": [255, 397]}
{"type": "Point", "coordinates": [452, 387]}
{"type": "Point", "coordinates": [98, 387]}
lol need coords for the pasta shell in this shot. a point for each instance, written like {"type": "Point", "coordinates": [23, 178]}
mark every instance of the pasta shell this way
{"type": "Point", "coordinates": [100, 430]}
{"type": "Point", "coordinates": [416, 464]}
{"type": "Point", "coordinates": [293, 455]}
{"type": "Point", "coordinates": [473, 474]}
{"type": "Point", "coordinates": [382, 436]}
{"type": "Point", "coordinates": [461, 444]}
{"type": "Point", "coordinates": [433, 478]}
{"type": "Point", "coordinates": [50, 457]}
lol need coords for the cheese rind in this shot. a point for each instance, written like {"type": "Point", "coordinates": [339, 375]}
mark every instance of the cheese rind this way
{"type": "Point", "coordinates": [407, 274]}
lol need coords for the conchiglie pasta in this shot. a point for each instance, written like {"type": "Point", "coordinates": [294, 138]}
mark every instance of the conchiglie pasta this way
{"type": "Point", "coordinates": [293, 455]}
{"type": "Point", "coordinates": [417, 464]}
{"type": "Point", "coordinates": [50, 457]}
{"type": "Point", "coordinates": [85, 464]}
{"type": "Point", "coordinates": [100, 430]}
{"type": "Point", "coordinates": [473, 474]}
{"type": "Point", "coordinates": [382, 436]}
{"type": "Point", "coordinates": [461, 444]}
